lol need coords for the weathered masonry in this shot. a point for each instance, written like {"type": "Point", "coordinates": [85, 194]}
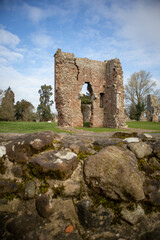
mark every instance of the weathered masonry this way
{"type": "Point", "coordinates": [105, 85]}
{"type": "Point", "coordinates": [153, 108]}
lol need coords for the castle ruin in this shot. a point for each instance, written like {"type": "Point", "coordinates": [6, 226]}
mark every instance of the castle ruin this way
{"type": "Point", "coordinates": [105, 85]}
{"type": "Point", "coordinates": [153, 108]}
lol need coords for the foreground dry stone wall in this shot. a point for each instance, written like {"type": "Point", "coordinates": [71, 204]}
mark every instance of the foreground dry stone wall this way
{"type": "Point", "coordinates": [76, 187]}
{"type": "Point", "coordinates": [105, 80]}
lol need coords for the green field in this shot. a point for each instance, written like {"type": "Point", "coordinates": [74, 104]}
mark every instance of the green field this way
{"type": "Point", "coordinates": [28, 127]}
{"type": "Point", "coordinates": [98, 129]}
{"type": "Point", "coordinates": [134, 124]}
{"type": "Point", "coordinates": [144, 125]}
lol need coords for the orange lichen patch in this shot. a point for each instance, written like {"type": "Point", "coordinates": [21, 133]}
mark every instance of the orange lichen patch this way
{"type": "Point", "coordinates": [69, 229]}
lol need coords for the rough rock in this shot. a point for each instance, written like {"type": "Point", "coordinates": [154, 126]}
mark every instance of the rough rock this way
{"type": "Point", "coordinates": [156, 148]}
{"type": "Point", "coordinates": [21, 225]}
{"type": "Point", "coordinates": [2, 151]}
{"type": "Point", "coordinates": [19, 150]}
{"type": "Point", "coordinates": [152, 235]}
{"type": "Point", "coordinates": [9, 206]}
{"type": "Point", "coordinates": [57, 165]}
{"type": "Point", "coordinates": [114, 172]}
{"type": "Point", "coordinates": [71, 188]}
{"type": "Point", "coordinates": [45, 206]}
{"type": "Point", "coordinates": [68, 236]}
{"type": "Point", "coordinates": [99, 218]}
{"type": "Point", "coordinates": [154, 163]}
{"type": "Point", "coordinates": [124, 135]}
{"type": "Point", "coordinates": [140, 149]}
{"type": "Point", "coordinates": [134, 215]}
{"type": "Point", "coordinates": [29, 191]}
{"type": "Point", "coordinates": [17, 171]}
{"type": "Point", "coordinates": [104, 143]}
{"type": "Point", "coordinates": [131, 140]}
{"type": "Point", "coordinates": [147, 135]}
{"type": "Point", "coordinates": [7, 186]}
{"type": "Point", "coordinates": [104, 197]}
{"type": "Point", "coordinates": [152, 191]}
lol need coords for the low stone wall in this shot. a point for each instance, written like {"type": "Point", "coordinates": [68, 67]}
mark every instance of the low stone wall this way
{"type": "Point", "coordinates": [59, 186]}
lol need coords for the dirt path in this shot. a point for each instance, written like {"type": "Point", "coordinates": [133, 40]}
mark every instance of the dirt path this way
{"type": "Point", "coordinates": [81, 134]}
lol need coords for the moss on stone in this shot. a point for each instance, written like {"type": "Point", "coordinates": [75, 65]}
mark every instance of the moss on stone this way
{"type": "Point", "coordinates": [9, 196]}
{"type": "Point", "coordinates": [58, 191]}
{"type": "Point", "coordinates": [43, 188]}
{"type": "Point", "coordinates": [57, 145]}
{"type": "Point", "coordinates": [97, 148]}
{"type": "Point", "coordinates": [2, 167]}
{"type": "Point", "coordinates": [120, 144]}
{"type": "Point", "coordinates": [56, 174]}
{"type": "Point", "coordinates": [131, 206]}
{"type": "Point", "coordinates": [20, 187]}
{"type": "Point", "coordinates": [37, 171]}
{"type": "Point", "coordinates": [141, 163]}
{"type": "Point", "coordinates": [108, 203]}
{"type": "Point", "coordinates": [149, 208]}
{"type": "Point", "coordinates": [79, 196]}
{"type": "Point", "coordinates": [124, 135]}
{"type": "Point", "coordinates": [81, 156]}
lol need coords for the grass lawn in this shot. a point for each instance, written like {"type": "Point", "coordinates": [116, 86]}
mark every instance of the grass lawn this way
{"type": "Point", "coordinates": [99, 129]}
{"type": "Point", "coordinates": [28, 127]}
{"type": "Point", "coordinates": [144, 125]}
{"type": "Point", "coordinates": [135, 124]}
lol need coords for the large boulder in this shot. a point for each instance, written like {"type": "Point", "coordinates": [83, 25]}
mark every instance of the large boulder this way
{"type": "Point", "coordinates": [56, 165]}
{"type": "Point", "coordinates": [114, 172]}
{"type": "Point", "coordinates": [19, 150]}
{"type": "Point", "coordinates": [140, 149]}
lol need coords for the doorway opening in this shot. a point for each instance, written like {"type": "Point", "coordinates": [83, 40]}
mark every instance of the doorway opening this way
{"type": "Point", "coordinates": [87, 98]}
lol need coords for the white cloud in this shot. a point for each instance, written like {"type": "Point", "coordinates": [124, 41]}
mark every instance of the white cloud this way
{"type": "Point", "coordinates": [42, 40]}
{"type": "Point", "coordinates": [26, 86]}
{"type": "Point", "coordinates": [8, 55]}
{"type": "Point", "coordinates": [37, 14]}
{"type": "Point", "coordinates": [8, 39]}
{"type": "Point", "coordinates": [139, 23]}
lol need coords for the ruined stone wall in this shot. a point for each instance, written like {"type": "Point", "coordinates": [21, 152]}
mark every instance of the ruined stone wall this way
{"type": "Point", "coordinates": [153, 108]}
{"type": "Point", "coordinates": [106, 80]}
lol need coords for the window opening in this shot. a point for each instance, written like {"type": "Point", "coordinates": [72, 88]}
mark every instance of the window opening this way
{"type": "Point", "coordinates": [101, 100]}
{"type": "Point", "coordinates": [87, 104]}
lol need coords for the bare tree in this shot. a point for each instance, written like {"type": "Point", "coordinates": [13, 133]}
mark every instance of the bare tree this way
{"type": "Point", "coordinates": [138, 87]}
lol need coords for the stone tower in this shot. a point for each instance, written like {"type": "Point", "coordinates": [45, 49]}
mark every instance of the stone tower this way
{"type": "Point", "coordinates": [105, 84]}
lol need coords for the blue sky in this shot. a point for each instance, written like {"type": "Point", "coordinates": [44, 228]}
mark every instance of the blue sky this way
{"type": "Point", "coordinates": [32, 30]}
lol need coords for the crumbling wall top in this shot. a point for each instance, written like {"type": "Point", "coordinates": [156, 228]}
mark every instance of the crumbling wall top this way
{"type": "Point", "coordinates": [64, 54]}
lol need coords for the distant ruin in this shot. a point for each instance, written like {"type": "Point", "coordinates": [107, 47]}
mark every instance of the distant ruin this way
{"type": "Point", "coordinates": [105, 85]}
{"type": "Point", "coordinates": [153, 108]}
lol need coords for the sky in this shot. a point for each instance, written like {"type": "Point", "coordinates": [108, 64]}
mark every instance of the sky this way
{"type": "Point", "coordinates": [31, 31]}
